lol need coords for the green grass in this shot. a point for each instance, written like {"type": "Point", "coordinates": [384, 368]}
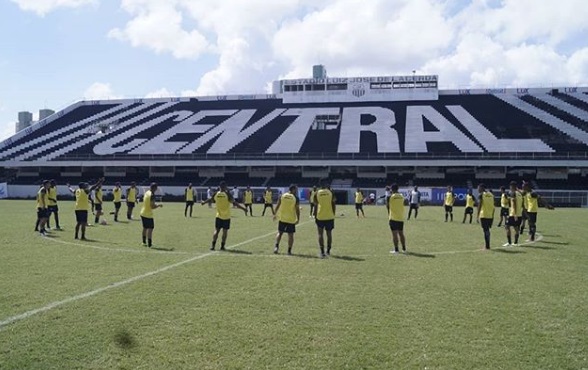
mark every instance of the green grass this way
{"type": "Point", "coordinates": [448, 306]}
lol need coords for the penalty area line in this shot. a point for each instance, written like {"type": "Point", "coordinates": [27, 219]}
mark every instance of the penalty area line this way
{"type": "Point", "coordinates": [50, 306]}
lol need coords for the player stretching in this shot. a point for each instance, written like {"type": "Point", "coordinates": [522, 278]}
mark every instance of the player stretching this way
{"type": "Point", "coordinates": [469, 208]}
{"type": "Point", "coordinates": [395, 206]}
{"type": "Point", "coordinates": [288, 213]}
{"type": "Point", "coordinates": [515, 213]}
{"type": "Point", "coordinates": [248, 200]}
{"type": "Point", "coordinates": [82, 195]}
{"type": "Point", "coordinates": [324, 215]}
{"type": "Point", "coordinates": [448, 203]}
{"type": "Point", "coordinates": [42, 211]}
{"type": "Point", "coordinates": [52, 205]}
{"type": "Point", "coordinates": [504, 205]}
{"type": "Point", "coordinates": [359, 202]}
{"type": "Point", "coordinates": [147, 215]}
{"type": "Point", "coordinates": [311, 200]}
{"type": "Point", "coordinates": [268, 201]}
{"type": "Point", "coordinates": [98, 204]}
{"type": "Point", "coordinates": [414, 201]}
{"type": "Point", "coordinates": [485, 212]}
{"type": "Point", "coordinates": [131, 200]}
{"type": "Point", "coordinates": [117, 198]}
{"type": "Point", "coordinates": [189, 196]}
{"type": "Point", "coordinates": [223, 200]}
{"type": "Point", "coordinates": [533, 201]}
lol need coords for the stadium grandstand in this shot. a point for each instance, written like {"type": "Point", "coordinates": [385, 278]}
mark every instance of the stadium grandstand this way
{"type": "Point", "coordinates": [360, 132]}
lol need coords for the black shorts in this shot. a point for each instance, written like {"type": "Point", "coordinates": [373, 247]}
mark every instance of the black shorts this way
{"type": "Point", "coordinates": [511, 221]}
{"type": "Point", "coordinates": [486, 223]}
{"type": "Point", "coordinates": [81, 217]}
{"type": "Point", "coordinates": [42, 213]}
{"type": "Point", "coordinates": [53, 209]}
{"type": "Point", "coordinates": [396, 225]}
{"type": "Point", "coordinates": [189, 202]}
{"type": "Point", "coordinates": [503, 212]}
{"type": "Point", "coordinates": [117, 205]}
{"type": "Point", "coordinates": [525, 216]}
{"type": "Point", "coordinates": [414, 206]}
{"type": "Point", "coordinates": [469, 210]}
{"type": "Point", "coordinates": [358, 206]}
{"type": "Point", "coordinates": [268, 205]}
{"type": "Point", "coordinates": [98, 206]}
{"type": "Point", "coordinates": [285, 227]}
{"type": "Point", "coordinates": [222, 224]}
{"type": "Point", "coordinates": [131, 205]}
{"type": "Point", "coordinates": [449, 209]}
{"type": "Point", "coordinates": [148, 223]}
{"type": "Point", "coordinates": [532, 217]}
{"type": "Point", "coordinates": [325, 224]}
{"type": "Point", "coordinates": [248, 204]}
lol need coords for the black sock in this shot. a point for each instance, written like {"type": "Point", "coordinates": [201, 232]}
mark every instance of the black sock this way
{"type": "Point", "coordinates": [144, 240]}
{"type": "Point", "coordinates": [96, 219]}
{"type": "Point", "coordinates": [222, 245]}
{"type": "Point", "coordinates": [149, 242]}
{"type": "Point", "coordinates": [517, 239]}
{"type": "Point", "coordinates": [509, 239]}
{"type": "Point", "coordinates": [487, 238]}
{"type": "Point", "coordinates": [57, 221]}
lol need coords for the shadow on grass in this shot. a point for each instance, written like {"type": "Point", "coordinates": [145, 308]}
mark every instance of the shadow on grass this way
{"type": "Point", "coordinates": [310, 256]}
{"type": "Point", "coordinates": [552, 236]}
{"type": "Point", "coordinates": [121, 222]}
{"type": "Point", "coordinates": [236, 251]}
{"type": "Point", "coordinates": [125, 340]}
{"type": "Point", "coordinates": [542, 247]}
{"type": "Point", "coordinates": [556, 243]}
{"type": "Point", "coordinates": [508, 251]}
{"type": "Point", "coordinates": [420, 255]}
{"type": "Point", "coordinates": [162, 249]}
{"type": "Point", "coordinates": [347, 258]}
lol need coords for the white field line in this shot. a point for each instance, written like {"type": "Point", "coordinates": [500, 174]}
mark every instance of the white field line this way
{"type": "Point", "coordinates": [91, 293]}
{"type": "Point", "coordinates": [538, 238]}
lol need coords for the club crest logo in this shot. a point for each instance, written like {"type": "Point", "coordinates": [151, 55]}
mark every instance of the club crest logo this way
{"type": "Point", "coordinates": [358, 90]}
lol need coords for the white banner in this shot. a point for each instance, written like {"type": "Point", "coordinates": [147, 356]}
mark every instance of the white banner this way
{"type": "Point", "coordinates": [3, 190]}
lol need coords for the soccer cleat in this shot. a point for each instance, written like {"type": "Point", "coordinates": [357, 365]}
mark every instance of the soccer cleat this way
{"type": "Point", "coordinates": [393, 251]}
{"type": "Point", "coordinates": [276, 250]}
{"type": "Point", "coordinates": [507, 245]}
{"type": "Point", "coordinates": [289, 252]}
{"type": "Point", "coordinates": [515, 245]}
{"type": "Point", "coordinates": [222, 248]}
{"type": "Point", "coordinates": [211, 248]}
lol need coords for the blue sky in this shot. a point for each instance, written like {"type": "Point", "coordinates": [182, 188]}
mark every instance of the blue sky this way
{"type": "Point", "coordinates": [55, 52]}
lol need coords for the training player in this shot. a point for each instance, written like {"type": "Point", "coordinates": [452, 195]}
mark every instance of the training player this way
{"type": "Point", "coordinates": [223, 200]}
{"type": "Point", "coordinates": [515, 213]}
{"type": "Point", "coordinates": [485, 212]}
{"type": "Point", "coordinates": [189, 196]}
{"type": "Point", "coordinates": [268, 201]}
{"type": "Point", "coordinates": [52, 205]}
{"type": "Point", "coordinates": [469, 208]}
{"type": "Point", "coordinates": [248, 200]}
{"type": "Point", "coordinates": [117, 199]}
{"type": "Point", "coordinates": [414, 200]}
{"type": "Point", "coordinates": [311, 200]}
{"type": "Point", "coordinates": [504, 205]}
{"type": "Point", "coordinates": [209, 194]}
{"type": "Point", "coordinates": [42, 210]}
{"type": "Point", "coordinates": [98, 204]}
{"type": "Point", "coordinates": [533, 201]}
{"type": "Point", "coordinates": [359, 202]}
{"type": "Point", "coordinates": [82, 195]}
{"type": "Point", "coordinates": [288, 213]}
{"type": "Point", "coordinates": [448, 203]}
{"type": "Point", "coordinates": [147, 215]}
{"type": "Point", "coordinates": [395, 206]}
{"type": "Point", "coordinates": [131, 200]}
{"type": "Point", "coordinates": [324, 215]}
{"type": "Point", "coordinates": [236, 194]}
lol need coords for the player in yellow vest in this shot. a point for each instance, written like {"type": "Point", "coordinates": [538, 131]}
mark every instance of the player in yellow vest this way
{"type": "Point", "coordinates": [288, 213]}
{"type": "Point", "coordinates": [448, 203]}
{"type": "Point", "coordinates": [223, 200]}
{"type": "Point", "coordinates": [42, 210]}
{"type": "Point", "coordinates": [147, 215]}
{"type": "Point", "coordinates": [469, 206]}
{"type": "Point", "coordinates": [131, 200]}
{"type": "Point", "coordinates": [189, 196]}
{"type": "Point", "coordinates": [324, 215]}
{"type": "Point", "coordinates": [52, 205]}
{"type": "Point", "coordinates": [82, 195]}
{"type": "Point", "coordinates": [359, 202]}
{"type": "Point", "coordinates": [311, 200]}
{"type": "Point", "coordinates": [395, 207]}
{"type": "Point", "coordinates": [485, 212]}
{"type": "Point", "coordinates": [98, 204]}
{"type": "Point", "coordinates": [504, 205]}
{"type": "Point", "coordinates": [116, 199]}
{"type": "Point", "coordinates": [268, 201]}
{"type": "Point", "coordinates": [533, 202]}
{"type": "Point", "coordinates": [515, 215]}
{"type": "Point", "coordinates": [248, 200]}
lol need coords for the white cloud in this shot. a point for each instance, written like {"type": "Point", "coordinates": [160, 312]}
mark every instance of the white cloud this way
{"type": "Point", "coordinates": [161, 93]}
{"type": "Point", "coordinates": [100, 91]}
{"type": "Point", "coordinates": [7, 130]}
{"type": "Point", "coordinates": [485, 42]}
{"type": "Point", "coordinates": [42, 7]}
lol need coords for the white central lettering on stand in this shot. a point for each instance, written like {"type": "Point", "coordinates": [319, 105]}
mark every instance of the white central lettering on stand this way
{"type": "Point", "coordinates": [416, 138]}
{"type": "Point", "coordinates": [293, 137]}
{"type": "Point", "coordinates": [351, 128]}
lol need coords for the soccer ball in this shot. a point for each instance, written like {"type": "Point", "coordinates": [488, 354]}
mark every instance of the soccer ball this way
{"type": "Point", "coordinates": [103, 222]}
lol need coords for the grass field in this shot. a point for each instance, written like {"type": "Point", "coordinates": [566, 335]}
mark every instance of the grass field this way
{"type": "Point", "coordinates": [111, 303]}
